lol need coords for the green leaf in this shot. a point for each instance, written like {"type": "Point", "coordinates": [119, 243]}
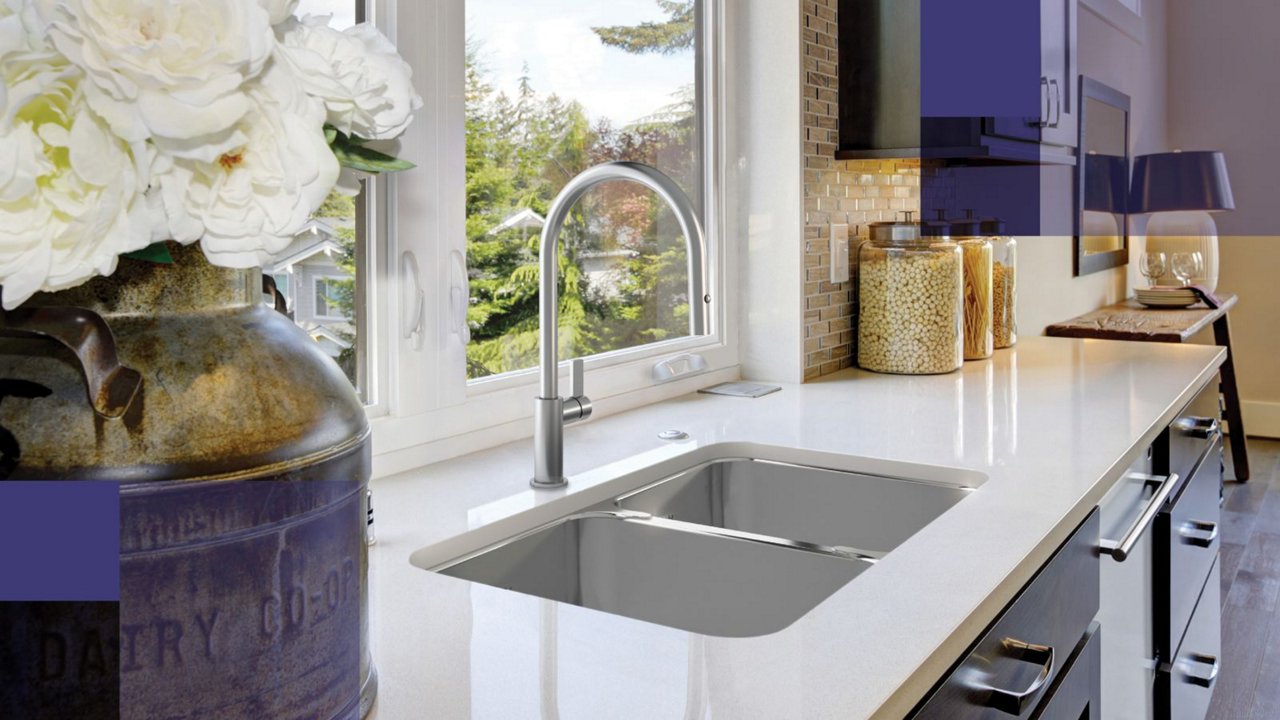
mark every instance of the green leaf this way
{"type": "Point", "coordinates": [358, 157]}
{"type": "Point", "coordinates": [154, 253]}
{"type": "Point", "coordinates": [330, 134]}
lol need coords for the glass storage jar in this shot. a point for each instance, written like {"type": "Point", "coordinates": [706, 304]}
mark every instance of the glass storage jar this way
{"type": "Point", "coordinates": [911, 299]}
{"type": "Point", "coordinates": [976, 250]}
{"type": "Point", "coordinates": [1004, 286]}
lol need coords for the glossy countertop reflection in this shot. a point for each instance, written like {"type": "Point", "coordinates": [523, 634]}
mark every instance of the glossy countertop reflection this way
{"type": "Point", "coordinates": [1053, 423]}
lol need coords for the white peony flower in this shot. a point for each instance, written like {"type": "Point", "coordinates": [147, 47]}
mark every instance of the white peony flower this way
{"type": "Point", "coordinates": [24, 26]}
{"type": "Point", "coordinates": [247, 205]}
{"type": "Point", "coordinates": [171, 71]}
{"type": "Point", "coordinates": [279, 10]}
{"type": "Point", "coordinates": [365, 85]}
{"type": "Point", "coordinates": [71, 194]}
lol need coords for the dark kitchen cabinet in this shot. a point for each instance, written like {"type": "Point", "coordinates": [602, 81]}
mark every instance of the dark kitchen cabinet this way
{"type": "Point", "coordinates": [882, 56]}
{"type": "Point", "coordinates": [1059, 102]}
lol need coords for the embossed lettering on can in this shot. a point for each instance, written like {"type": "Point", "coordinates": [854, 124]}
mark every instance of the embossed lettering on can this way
{"type": "Point", "coordinates": [242, 598]}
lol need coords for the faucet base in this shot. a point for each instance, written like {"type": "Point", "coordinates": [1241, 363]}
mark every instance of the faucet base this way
{"type": "Point", "coordinates": [537, 484]}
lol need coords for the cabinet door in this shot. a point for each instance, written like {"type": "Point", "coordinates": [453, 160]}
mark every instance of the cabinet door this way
{"type": "Point", "coordinates": [1128, 605]}
{"type": "Point", "coordinates": [1058, 71]}
{"type": "Point", "coordinates": [1056, 122]}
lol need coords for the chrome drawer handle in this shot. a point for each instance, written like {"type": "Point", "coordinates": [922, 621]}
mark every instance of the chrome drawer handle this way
{"type": "Point", "coordinates": [1188, 666]}
{"type": "Point", "coordinates": [1200, 534]}
{"type": "Point", "coordinates": [1197, 427]}
{"type": "Point", "coordinates": [1120, 549]}
{"type": "Point", "coordinates": [1015, 703]}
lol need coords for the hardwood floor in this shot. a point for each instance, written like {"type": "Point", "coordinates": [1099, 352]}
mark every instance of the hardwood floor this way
{"type": "Point", "coordinates": [1249, 683]}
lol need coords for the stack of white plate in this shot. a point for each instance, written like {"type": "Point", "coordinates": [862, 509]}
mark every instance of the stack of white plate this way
{"type": "Point", "coordinates": [1166, 297]}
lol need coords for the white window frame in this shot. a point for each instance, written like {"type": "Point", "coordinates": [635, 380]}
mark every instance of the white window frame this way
{"type": "Point", "coordinates": [431, 412]}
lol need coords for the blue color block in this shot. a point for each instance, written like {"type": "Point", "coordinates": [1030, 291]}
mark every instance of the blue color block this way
{"type": "Point", "coordinates": [59, 541]}
{"type": "Point", "coordinates": [980, 58]}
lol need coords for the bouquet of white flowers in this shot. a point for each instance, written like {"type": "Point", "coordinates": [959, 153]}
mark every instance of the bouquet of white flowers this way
{"type": "Point", "coordinates": [228, 122]}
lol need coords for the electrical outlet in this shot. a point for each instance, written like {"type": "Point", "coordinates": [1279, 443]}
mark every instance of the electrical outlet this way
{"type": "Point", "coordinates": [839, 253]}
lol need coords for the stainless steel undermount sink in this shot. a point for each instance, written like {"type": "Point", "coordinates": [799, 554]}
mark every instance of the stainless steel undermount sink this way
{"type": "Point", "coordinates": [632, 565]}
{"type": "Point", "coordinates": [732, 547]}
{"type": "Point", "coordinates": [830, 507]}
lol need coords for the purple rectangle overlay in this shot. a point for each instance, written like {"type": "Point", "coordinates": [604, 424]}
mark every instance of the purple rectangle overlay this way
{"type": "Point", "coordinates": [980, 58]}
{"type": "Point", "coordinates": [59, 541]}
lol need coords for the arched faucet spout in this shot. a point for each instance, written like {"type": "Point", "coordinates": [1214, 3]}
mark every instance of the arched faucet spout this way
{"type": "Point", "coordinates": [551, 412]}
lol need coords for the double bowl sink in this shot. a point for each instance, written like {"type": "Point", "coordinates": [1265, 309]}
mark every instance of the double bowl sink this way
{"type": "Point", "coordinates": [732, 547]}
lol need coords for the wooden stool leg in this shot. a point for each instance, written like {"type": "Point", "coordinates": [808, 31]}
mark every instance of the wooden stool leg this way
{"type": "Point", "coordinates": [1231, 393]}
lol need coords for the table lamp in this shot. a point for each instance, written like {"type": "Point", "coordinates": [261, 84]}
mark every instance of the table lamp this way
{"type": "Point", "coordinates": [1179, 190]}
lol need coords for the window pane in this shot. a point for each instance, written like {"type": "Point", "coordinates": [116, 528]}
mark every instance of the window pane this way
{"type": "Point", "coordinates": [554, 87]}
{"type": "Point", "coordinates": [325, 256]}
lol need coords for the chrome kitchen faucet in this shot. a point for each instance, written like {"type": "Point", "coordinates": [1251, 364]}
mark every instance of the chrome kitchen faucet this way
{"type": "Point", "coordinates": [551, 412]}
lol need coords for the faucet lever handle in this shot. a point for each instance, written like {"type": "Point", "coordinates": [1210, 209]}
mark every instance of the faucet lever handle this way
{"type": "Point", "coordinates": [577, 378]}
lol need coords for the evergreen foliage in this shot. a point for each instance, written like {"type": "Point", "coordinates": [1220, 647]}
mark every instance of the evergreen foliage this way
{"type": "Point", "coordinates": [520, 151]}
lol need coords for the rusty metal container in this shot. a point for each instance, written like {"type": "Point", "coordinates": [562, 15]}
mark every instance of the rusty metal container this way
{"type": "Point", "coordinates": [242, 455]}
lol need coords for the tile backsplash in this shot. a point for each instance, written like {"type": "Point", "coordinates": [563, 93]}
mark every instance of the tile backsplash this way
{"type": "Point", "coordinates": [856, 192]}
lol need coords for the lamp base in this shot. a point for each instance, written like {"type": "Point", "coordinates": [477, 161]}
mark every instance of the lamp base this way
{"type": "Point", "coordinates": [1172, 232]}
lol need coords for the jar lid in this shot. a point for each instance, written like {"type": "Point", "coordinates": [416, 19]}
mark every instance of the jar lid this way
{"type": "Point", "coordinates": [973, 226]}
{"type": "Point", "coordinates": [907, 230]}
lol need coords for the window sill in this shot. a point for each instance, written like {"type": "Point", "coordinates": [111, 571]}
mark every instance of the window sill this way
{"type": "Point", "coordinates": [406, 443]}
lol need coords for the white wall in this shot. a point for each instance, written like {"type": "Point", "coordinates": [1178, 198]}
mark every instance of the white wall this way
{"type": "Point", "coordinates": [765, 175]}
{"type": "Point", "coordinates": [1225, 95]}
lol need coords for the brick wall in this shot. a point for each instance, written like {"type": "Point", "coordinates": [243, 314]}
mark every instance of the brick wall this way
{"type": "Point", "coordinates": [855, 192]}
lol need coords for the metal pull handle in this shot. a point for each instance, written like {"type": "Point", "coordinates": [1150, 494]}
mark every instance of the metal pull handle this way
{"type": "Point", "coordinates": [1200, 534]}
{"type": "Point", "coordinates": [1119, 549]}
{"type": "Point", "coordinates": [1197, 427]}
{"type": "Point", "coordinates": [1190, 664]}
{"type": "Point", "coordinates": [1015, 703]}
{"type": "Point", "coordinates": [111, 386]}
{"type": "Point", "coordinates": [1043, 120]}
{"type": "Point", "coordinates": [1057, 102]}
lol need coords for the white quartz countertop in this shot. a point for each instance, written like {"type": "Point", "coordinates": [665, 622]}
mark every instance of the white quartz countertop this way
{"type": "Point", "coordinates": [1052, 423]}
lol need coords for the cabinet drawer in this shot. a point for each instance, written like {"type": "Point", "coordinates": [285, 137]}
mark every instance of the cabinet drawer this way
{"type": "Point", "coordinates": [1185, 685]}
{"type": "Point", "coordinates": [1076, 695]}
{"type": "Point", "coordinates": [1188, 532]}
{"type": "Point", "coordinates": [1006, 673]}
{"type": "Point", "coordinates": [1194, 431]}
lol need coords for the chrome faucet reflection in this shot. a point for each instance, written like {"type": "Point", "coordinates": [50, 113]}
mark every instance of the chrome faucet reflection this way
{"type": "Point", "coordinates": [551, 412]}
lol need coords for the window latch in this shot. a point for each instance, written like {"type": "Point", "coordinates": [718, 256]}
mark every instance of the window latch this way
{"type": "Point", "coordinates": [413, 301]}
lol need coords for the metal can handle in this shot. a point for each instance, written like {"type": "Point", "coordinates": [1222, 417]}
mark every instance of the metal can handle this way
{"type": "Point", "coordinates": [272, 290]}
{"type": "Point", "coordinates": [111, 387]}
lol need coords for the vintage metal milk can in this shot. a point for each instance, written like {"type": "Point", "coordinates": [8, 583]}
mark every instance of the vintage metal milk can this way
{"type": "Point", "coordinates": [242, 456]}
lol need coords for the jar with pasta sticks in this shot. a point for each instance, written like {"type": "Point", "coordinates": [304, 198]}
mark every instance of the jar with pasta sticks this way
{"type": "Point", "coordinates": [977, 253]}
{"type": "Point", "coordinates": [1004, 283]}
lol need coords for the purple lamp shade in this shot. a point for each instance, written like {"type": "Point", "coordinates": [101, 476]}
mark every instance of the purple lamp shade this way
{"type": "Point", "coordinates": [1170, 182]}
